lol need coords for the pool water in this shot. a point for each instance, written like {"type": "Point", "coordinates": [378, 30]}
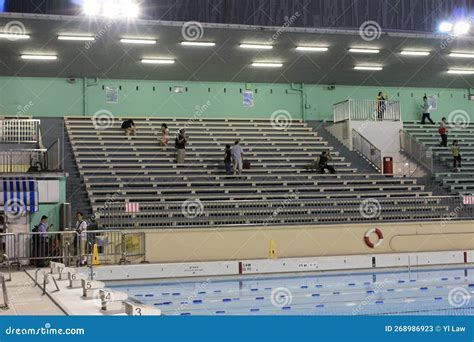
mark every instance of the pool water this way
{"type": "Point", "coordinates": [422, 292]}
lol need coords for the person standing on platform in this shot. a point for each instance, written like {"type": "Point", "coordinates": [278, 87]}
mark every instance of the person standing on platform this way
{"type": "Point", "coordinates": [443, 133]}
{"type": "Point", "coordinates": [426, 111]}
{"type": "Point", "coordinates": [180, 145]}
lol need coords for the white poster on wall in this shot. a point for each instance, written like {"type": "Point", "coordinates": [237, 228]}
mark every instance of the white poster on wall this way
{"type": "Point", "coordinates": [433, 102]}
{"type": "Point", "coordinates": [111, 95]}
{"type": "Point", "coordinates": [248, 98]}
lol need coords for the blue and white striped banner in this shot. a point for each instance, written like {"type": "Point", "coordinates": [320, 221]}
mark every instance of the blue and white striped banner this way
{"type": "Point", "coordinates": [19, 194]}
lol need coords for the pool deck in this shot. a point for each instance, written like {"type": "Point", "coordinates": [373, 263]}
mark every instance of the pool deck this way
{"type": "Point", "coordinates": [27, 299]}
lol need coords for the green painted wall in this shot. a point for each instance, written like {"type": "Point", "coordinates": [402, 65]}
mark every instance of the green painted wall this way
{"type": "Point", "coordinates": [56, 97]}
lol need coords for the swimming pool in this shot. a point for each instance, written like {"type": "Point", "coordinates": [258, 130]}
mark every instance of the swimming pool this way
{"type": "Point", "coordinates": [420, 292]}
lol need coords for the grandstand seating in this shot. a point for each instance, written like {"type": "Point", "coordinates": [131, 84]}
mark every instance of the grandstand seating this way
{"type": "Point", "coordinates": [460, 181]}
{"type": "Point", "coordinates": [137, 169]}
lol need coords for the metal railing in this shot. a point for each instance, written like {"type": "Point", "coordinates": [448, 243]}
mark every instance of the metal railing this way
{"type": "Point", "coordinates": [169, 215]}
{"type": "Point", "coordinates": [19, 130]}
{"type": "Point", "coordinates": [367, 110]}
{"type": "Point", "coordinates": [53, 157]}
{"type": "Point", "coordinates": [416, 150]}
{"type": "Point", "coordinates": [4, 291]}
{"type": "Point", "coordinates": [24, 160]}
{"type": "Point", "coordinates": [39, 248]}
{"type": "Point", "coordinates": [367, 150]}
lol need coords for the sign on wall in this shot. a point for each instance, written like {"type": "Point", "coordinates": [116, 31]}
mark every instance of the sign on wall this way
{"type": "Point", "coordinates": [248, 98]}
{"type": "Point", "coordinates": [433, 102]}
{"type": "Point", "coordinates": [111, 95]}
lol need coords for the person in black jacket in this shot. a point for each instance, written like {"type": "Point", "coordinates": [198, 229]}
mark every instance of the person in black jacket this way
{"type": "Point", "coordinates": [323, 163]}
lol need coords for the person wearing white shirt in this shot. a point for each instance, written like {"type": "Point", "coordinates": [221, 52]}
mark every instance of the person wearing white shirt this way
{"type": "Point", "coordinates": [81, 229]}
{"type": "Point", "coordinates": [237, 157]}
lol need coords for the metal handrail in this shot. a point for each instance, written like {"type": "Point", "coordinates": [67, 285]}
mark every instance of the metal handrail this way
{"type": "Point", "coordinates": [4, 291]}
{"type": "Point", "coordinates": [369, 110]}
{"type": "Point", "coordinates": [5, 256]}
{"type": "Point", "coordinates": [19, 130]}
{"type": "Point", "coordinates": [416, 150]}
{"type": "Point", "coordinates": [46, 278]}
{"type": "Point", "coordinates": [372, 150]}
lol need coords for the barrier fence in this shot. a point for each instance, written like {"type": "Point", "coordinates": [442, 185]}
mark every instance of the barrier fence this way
{"type": "Point", "coordinates": [19, 130]}
{"type": "Point", "coordinates": [368, 150]}
{"type": "Point", "coordinates": [291, 210]}
{"type": "Point", "coordinates": [416, 150]}
{"type": "Point", "coordinates": [71, 248]}
{"type": "Point", "coordinates": [19, 161]}
{"type": "Point", "coordinates": [371, 110]}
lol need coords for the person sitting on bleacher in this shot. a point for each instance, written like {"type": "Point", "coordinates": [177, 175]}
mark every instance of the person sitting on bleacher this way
{"type": "Point", "coordinates": [456, 151]}
{"type": "Point", "coordinates": [323, 163]}
{"type": "Point", "coordinates": [443, 133]}
{"type": "Point", "coordinates": [165, 138]}
{"type": "Point", "coordinates": [180, 145]}
{"type": "Point", "coordinates": [129, 127]}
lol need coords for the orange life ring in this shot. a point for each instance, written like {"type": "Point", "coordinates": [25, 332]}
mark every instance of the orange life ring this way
{"type": "Point", "coordinates": [367, 237]}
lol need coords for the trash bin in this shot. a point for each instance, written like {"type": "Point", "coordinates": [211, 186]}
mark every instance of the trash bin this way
{"type": "Point", "coordinates": [388, 165]}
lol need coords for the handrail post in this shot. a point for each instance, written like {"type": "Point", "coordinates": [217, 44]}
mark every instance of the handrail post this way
{"type": "Point", "coordinates": [4, 291]}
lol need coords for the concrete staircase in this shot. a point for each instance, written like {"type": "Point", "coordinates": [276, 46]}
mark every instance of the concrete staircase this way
{"type": "Point", "coordinates": [76, 194]}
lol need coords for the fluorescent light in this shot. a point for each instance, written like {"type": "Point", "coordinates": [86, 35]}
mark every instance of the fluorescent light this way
{"type": "Point", "coordinates": [80, 38]}
{"type": "Point", "coordinates": [414, 53]}
{"type": "Point", "coordinates": [311, 48]}
{"type": "Point", "coordinates": [461, 27]}
{"type": "Point", "coordinates": [368, 67]}
{"type": "Point", "coordinates": [138, 41]}
{"type": "Point", "coordinates": [40, 57]}
{"type": "Point", "coordinates": [461, 55]}
{"type": "Point", "coordinates": [14, 36]}
{"type": "Point", "coordinates": [256, 46]}
{"type": "Point", "coordinates": [445, 27]}
{"type": "Point", "coordinates": [198, 43]}
{"type": "Point", "coordinates": [157, 61]}
{"type": "Point", "coordinates": [460, 71]}
{"type": "Point", "coordinates": [267, 65]}
{"type": "Point", "coordinates": [359, 50]}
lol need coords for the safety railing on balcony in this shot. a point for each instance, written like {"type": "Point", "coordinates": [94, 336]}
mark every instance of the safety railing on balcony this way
{"type": "Point", "coordinates": [19, 130]}
{"type": "Point", "coordinates": [24, 160]}
{"type": "Point", "coordinates": [367, 150]}
{"type": "Point", "coordinates": [367, 110]}
{"type": "Point", "coordinates": [416, 150]}
{"type": "Point", "coordinates": [53, 157]}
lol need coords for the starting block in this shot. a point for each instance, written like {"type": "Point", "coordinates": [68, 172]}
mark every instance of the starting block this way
{"type": "Point", "coordinates": [75, 279]}
{"type": "Point", "coordinates": [137, 309]}
{"type": "Point", "coordinates": [55, 266]}
{"type": "Point", "coordinates": [112, 300]}
{"type": "Point", "coordinates": [91, 287]}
